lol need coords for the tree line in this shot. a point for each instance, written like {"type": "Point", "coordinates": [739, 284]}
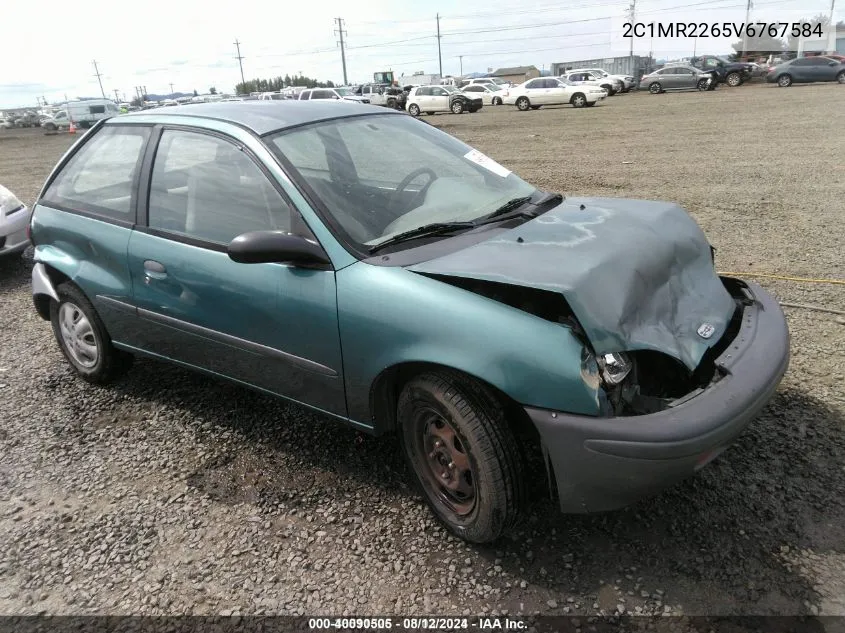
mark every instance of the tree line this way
{"type": "Point", "coordinates": [277, 83]}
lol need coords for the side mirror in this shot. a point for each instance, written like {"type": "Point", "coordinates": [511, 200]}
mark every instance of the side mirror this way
{"type": "Point", "coordinates": [264, 247]}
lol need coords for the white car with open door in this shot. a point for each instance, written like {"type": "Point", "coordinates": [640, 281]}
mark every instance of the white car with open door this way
{"type": "Point", "coordinates": [589, 78]}
{"type": "Point", "coordinates": [490, 93]}
{"type": "Point", "coordinates": [541, 91]}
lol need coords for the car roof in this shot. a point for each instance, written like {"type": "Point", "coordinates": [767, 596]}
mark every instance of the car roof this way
{"type": "Point", "coordinates": [261, 117]}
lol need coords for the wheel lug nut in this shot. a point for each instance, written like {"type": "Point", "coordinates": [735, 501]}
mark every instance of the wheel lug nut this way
{"type": "Point", "coordinates": [444, 475]}
{"type": "Point", "coordinates": [438, 444]}
{"type": "Point", "coordinates": [451, 465]}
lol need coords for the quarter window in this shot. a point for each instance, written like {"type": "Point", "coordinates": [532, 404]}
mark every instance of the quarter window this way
{"type": "Point", "coordinates": [207, 188]}
{"type": "Point", "coordinates": [101, 177]}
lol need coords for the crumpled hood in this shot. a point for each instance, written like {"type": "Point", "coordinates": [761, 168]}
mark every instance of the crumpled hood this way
{"type": "Point", "coordinates": [638, 274]}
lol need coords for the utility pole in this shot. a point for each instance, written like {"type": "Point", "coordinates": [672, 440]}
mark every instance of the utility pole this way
{"type": "Point", "coordinates": [98, 74]}
{"type": "Point", "coordinates": [439, 55]}
{"type": "Point", "coordinates": [171, 88]}
{"type": "Point", "coordinates": [632, 11]}
{"type": "Point", "coordinates": [748, 6]}
{"type": "Point", "coordinates": [240, 60]}
{"type": "Point", "coordinates": [340, 32]}
{"type": "Point", "coordinates": [116, 96]}
{"type": "Point", "coordinates": [461, 57]}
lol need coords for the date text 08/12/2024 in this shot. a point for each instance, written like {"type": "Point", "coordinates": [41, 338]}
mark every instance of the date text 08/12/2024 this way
{"type": "Point", "coordinates": [722, 29]}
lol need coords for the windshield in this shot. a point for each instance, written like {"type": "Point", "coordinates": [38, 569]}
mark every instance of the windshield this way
{"type": "Point", "coordinates": [343, 92]}
{"type": "Point", "coordinates": [372, 194]}
{"type": "Point", "coordinates": [563, 81]}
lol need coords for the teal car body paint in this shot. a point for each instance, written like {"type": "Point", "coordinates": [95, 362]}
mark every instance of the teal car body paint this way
{"type": "Point", "coordinates": [433, 295]}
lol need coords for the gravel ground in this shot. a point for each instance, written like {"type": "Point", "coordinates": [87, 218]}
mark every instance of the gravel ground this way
{"type": "Point", "coordinates": [172, 493]}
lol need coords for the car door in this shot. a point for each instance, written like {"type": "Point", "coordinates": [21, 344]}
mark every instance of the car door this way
{"type": "Point", "coordinates": [800, 70]}
{"type": "Point", "coordinates": [438, 100]}
{"type": "Point", "coordinates": [272, 326]}
{"type": "Point", "coordinates": [536, 92]}
{"type": "Point", "coordinates": [686, 77]}
{"type": "Point", "coordinates": [820, 69]}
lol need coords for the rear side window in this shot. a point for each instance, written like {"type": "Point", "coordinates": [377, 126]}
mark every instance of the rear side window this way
{"type": "Point", "coordinates": [208, 189]}
{"type": "Point", "coordinates": [101, 178]}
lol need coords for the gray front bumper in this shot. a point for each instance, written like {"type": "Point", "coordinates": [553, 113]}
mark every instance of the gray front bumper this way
{"type": "Point", "coordinates": [607, 463]}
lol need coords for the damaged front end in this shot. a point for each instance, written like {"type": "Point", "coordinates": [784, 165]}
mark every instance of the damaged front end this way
{"type": "Point", "coordinates": [642, 382]}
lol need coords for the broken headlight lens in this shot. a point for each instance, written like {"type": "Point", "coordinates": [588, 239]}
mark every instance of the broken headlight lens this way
{"type": "Point", "coordinates": [614, 367]}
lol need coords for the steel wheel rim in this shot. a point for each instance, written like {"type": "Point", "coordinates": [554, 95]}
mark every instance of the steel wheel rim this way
{"type": "Point", "coordinates": [78, 335]}
{"type": "Point", "coordinates": [445, 464]}
{"type": "Point", "coordinates": [522, 104]}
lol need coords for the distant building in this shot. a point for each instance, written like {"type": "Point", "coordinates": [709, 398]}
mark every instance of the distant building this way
{"type": "Point", "coordinates": [517, 74]}
{"type": "Point", "coordinates": [634, 66]}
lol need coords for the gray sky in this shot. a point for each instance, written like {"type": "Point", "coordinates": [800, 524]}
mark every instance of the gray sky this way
{"type": "Point", "coordinates": [160, 42]}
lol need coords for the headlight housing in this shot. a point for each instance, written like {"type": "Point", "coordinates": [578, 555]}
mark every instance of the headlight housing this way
{"type": "Point", "coordinates": [614, 367]}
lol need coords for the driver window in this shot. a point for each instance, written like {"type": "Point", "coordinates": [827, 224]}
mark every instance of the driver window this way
{"type": "Point", "coordinates": [438, 92]}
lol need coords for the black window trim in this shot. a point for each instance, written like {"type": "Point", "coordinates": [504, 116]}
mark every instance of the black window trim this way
{"type": "Point", "coordinates": [298, 223]}
{"type": "Point", "coordinates": [105, 215]}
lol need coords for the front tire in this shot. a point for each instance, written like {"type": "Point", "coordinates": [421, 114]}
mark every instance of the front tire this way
{"type": "Point", "coordinates": [523, 104]}
{"type": "Point", "coordinates": [462, 454]}
{"type": "Point", "coordinates": [497, 101]}
{"type": "Point", "coordinates": [83, 338]}
{"type": "Point", "coordinates": [655, 88]}
{"type": "Point", "coordinates": [703, 85]}
{"type": "Point", "coordinates": [733, 79]}
{"type": "Point", "coordinates": [414, 109]}
{"type": "Point", "coordinates": [841, 77]}
{"type": "Point", "coordinates": [578, 100]}
{"type": "Point", "coordinates": [457, 107]}
{"type": "Point", "coordinates": [785, 81]}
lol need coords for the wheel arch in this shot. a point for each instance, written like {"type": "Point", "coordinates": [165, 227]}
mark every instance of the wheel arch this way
{"type": "Point", "coordinates": [45, 279]}
{"type": "Point", "coordinates": [388, 384]}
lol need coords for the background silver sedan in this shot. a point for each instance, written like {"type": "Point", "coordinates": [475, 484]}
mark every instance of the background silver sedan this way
{"type": "Point", "coordinates": [676, 78]}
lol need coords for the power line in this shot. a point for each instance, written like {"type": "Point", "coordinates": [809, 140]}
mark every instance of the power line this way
{"type": "Point", "coordinates": [341, 33]}
{"type": "Point", "coordinates": [240, 60]}
{"type": "Point", "coordinates": [98, 74]}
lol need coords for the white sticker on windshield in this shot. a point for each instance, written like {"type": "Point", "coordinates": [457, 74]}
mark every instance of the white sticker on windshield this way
{"type": "Point", "coordinates": [488, 163]}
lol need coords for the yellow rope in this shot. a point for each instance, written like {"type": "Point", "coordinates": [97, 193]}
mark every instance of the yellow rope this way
{"type": "Point", "coordinates": [807, 279]}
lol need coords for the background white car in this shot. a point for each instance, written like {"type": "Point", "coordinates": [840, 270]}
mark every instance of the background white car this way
{"type": "Point", "coordinates": [589, 78]}
{"type": "Point", "coordinates": [626, 81]}
{"type": "Point", "coordinates": [541, 91]}
{"type": "Point", "coordinates": [14, 218]}
{"type": "Point", "coordinates": [339, 94]}
{"type": "Point", "coordinates": [490, 93]}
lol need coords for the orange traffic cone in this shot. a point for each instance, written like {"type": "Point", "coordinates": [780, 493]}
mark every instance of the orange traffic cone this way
{"type": "Point", "coordinates": [71, 129]}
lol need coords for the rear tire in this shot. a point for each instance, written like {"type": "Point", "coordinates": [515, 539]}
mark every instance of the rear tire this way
{"type": "Point", "coordinates": [841, 77]}
{"type": "Point", "coordinates": [462, 454]}
{"type": "Point", "coordinates": [83, 338]}
{"type": "Point", "coordinates": [523, 104]}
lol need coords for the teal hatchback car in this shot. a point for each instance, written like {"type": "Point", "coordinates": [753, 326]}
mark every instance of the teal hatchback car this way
{"type": "Point", "coordinates": [432, 294]}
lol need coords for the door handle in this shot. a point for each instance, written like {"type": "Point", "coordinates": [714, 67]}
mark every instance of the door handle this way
{"type": "Point", "coordinates": [154, 270]}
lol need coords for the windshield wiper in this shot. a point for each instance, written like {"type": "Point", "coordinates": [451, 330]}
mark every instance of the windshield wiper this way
{"type": "Point", "coordinates": [436, 228]}
{"type": "Point", "coordinates": [511, 209]}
